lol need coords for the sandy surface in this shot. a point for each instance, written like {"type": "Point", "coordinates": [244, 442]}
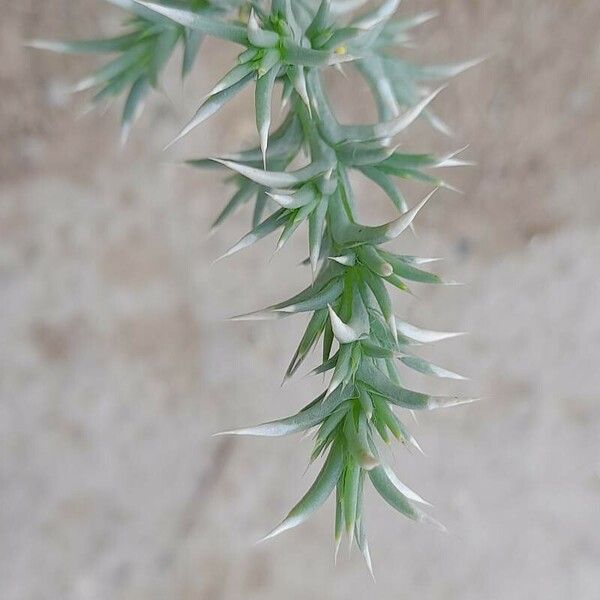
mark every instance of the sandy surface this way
{"type": "Point", "coordinates": [117, 365]}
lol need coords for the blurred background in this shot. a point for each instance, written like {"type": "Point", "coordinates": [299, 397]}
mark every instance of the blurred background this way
{"type": "Point", "coordinates": [117, 363]}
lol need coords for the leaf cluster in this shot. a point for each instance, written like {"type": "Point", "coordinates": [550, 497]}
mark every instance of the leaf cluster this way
{"type": "Point", "coordinates": [285, 47]}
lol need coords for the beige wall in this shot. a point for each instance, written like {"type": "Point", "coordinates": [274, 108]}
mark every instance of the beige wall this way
{"type": "Point", "coordinates": [116, 365]}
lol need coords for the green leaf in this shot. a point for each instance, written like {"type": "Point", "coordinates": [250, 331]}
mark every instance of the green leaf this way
{"type": "Point", "coordinates": [402, 488]}
{"type": "Point", "coordinates": [212, 105]}
{"type": "Point", "coordinates": [99, 46]}
{"type": "Point", "coordinates": [327, 365]}
{"type": "Point", "coordinates": [233, 76]}
{"type": "Point", "coordinates": [389, 129]}
{"type": "Point", "coordinates": [383, 386]}
{"type": "Point", "coordinates": [358, 326]}
{"type": "Point", "coordinates": [283, 145]}
{"type": "Point", "coordinates": [371, 258]}
{"type": "Point", "coordinates": [305, 419]}
{"type": "Point", "coordinates": [111, 70]}
{"type": "Point", "coordinates": [387, 417]}
{"type": "Point", "coordinates": [259, 207]}
{"type": "Point", "coordinates": [424, 336]}
{"type": "Point", "coordinates": [136, 8]}
{"type": "Point", "coordinates": [363, 234]}
{"type": "Point", "coordinates": [320, 490]}
{"type": "Point", "coordinates": [294, 221]}
{"type": "Point", "coordinates": [373, 72]}
{"type": "Point", "coordinates": [426, 368]}
{"type": "Point", "coordinates": [406, 271]}
{"type": "Point", "coordinates": [316, 226]}
{"type": "Point", "coordinates": [330, 424]}
{"type": "Point", "coordinates": [384, 301]}
{"type": "Point", "coordinates": [305, 57]}
{"type": "Point", "coordinates": [437, 72]}
{"type": "Point", "coordinates": [320, 299]}
{"type": "Point", "coordinates": [350, 497]}
{"type": "Point", "coordinates": [263, 95]}
{"type": "Point", "coordinates": [327, 341]}
{"type": "Point", "coordinates": [269, 225]}
{"type": "Point", "coordinates": [401, 25]}
{"type": "Point", "coordinates": [320, 20]}
{"type": "Point", "coordinates": [361, 539]}
{"type": "Point", "coordinates": [246, 190]}
{"type": "Point", "coordinates": [357, 441]}
{"type": "Point", "coordinates": [274, 179]}
{"type": "Point", "coordinates": [390, 493]}
{"type": "Point", "coordinates": [162, 50]}
{"type": "Point", "coordinates": [311, 336]}
{"type": "Point", "coordinates": [133, 105]}
{"type": "Point", "coordinates": [339, 518]}
{"type": "Point", "coordinates": [386, 184]}
{"type": "Point", "coordinates": [258, 37]}
{"type": "Point", "coordinates": [366, 402]}
{"type": "Point", "coordinates": [298, 198]}
{"type": "Point", "coordinates": [342, 369]}
{"type": "Point", "coordinates": [375, 351]}
{"type": "Point", "coordinates": [191, 46]}
{"type": "Point", "coordinates": [382, 13]}
{"type": "Point", "coordinates": [206, 23]}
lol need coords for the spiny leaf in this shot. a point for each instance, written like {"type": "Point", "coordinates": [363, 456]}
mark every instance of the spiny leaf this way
{"type": "Point", "coordinates": [259, 37]}
{"type": "Point", "coordinates": [384, 301]}
{"type": "Point", "coordinates": [295, 198]}
{"type": "Point", "coordinates": [391, 494]}
{"type": "Point", "coordinates": [209, 24]}
{"type": "Point", "coordinates": [372, 259]}
{"type": "Point", "coordinates": [424, 336]}
{"type": "Point", "coordinates": [350, 498]}
{"type": "Point", "coordinates": [362, 234]}
{"type": "Point", "coordinates": [361, 541]}
{"type": "Point", "coordinates": [383, 12]}
{"type": "Point", "coordinates": [405, 271]}
{"type": "Point", "coordinates": [269, 225]}
{"type": "Point", "coordinates": [358, 444]}
{"type": "Point", "coordinates": [111, 70]}
{"type": "Point", "coordinates": [275, 179]}
{"type": "Point", "coordinates": [402, 488]}
{"type": "Point", "coordinates": [233, 76]}
{"type": "Point", "coordinates": [386, 184]}
{"type": "Point", "coordinates": [311, 336]}
{"type": "Point", "coordinates": [263, 95]}
{"type": "Point", "coordinates": [192, 42]}
{"type": "Point", "coordinates": [242, 195]}
{"type": "Point", "coordinates": [320, 490]}
{"type": "Point", "coordinates": [423, 366]}
{"type": "Point", "coordinates": [212, 105]}
{"type": "Point", "coordinates": [330, 424]}
{"type": "Point", "coordinates": [366, 402]}
{"type": "Point", "coordinates": [320, 299]}
{"type": "Point", "coordinates": [342, 369]}
{"type": "Point", "coordinates": [396, 499]}
{"type": "Point", "coordinates": [389, 129]}
{"type": "Point", "coordinates": [99, 46]}
{"type": "Point", "coordinates": [133, 105]}
{"type": "Point", "coordinates": [301, 421]}
{"type": "Point", "coordinates": [316, 225]}
{"type": "Point", "coordinates": [320, 20]}
{"type": "Point", "coordinates": [339, 519]}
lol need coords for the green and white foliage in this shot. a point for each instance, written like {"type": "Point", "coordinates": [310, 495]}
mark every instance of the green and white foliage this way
{"type": "Point", "coordinates": [286, 45]}
{"type": "Point", "coordinates": [140, 53]}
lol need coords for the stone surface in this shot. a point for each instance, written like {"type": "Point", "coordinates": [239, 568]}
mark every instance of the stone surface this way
{"type": "Point", "coordinates": [117, 365]}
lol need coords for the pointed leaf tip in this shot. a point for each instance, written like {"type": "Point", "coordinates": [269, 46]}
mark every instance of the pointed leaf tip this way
{"type": "Point", "coordinates": [395, 228]}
